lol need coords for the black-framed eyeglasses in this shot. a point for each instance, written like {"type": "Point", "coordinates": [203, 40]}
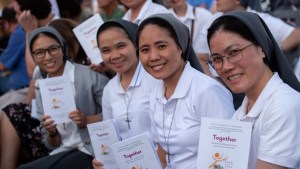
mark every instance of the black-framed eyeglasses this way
{"type": "Point", "coordinates": [235, 55]}
{"type": "Point", "coordinates": [39, 54]}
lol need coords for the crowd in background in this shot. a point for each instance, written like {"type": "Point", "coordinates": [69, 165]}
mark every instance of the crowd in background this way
{"type": "Point", "coordinates": [110, 90]}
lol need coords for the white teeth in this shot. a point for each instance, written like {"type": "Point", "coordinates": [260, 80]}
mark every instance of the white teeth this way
{"type": "Point", "coordinates": [234, 77]}
{"type": "Point", "coordinates": [50, 64]}
{"type": "Point", "coordinates": [157, 68]}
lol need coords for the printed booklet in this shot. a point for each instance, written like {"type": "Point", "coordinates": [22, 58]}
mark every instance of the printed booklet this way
{"type": "Point", "coordinates": [86, 34]}
{"type": "Point", "coordinates": [224, 144]}
{"type": "Point", "coordinates": [103, 134]}
{"type": "Point", "coordinates": [57, 98]}
{"type": "Point", "coordinates": [136, 153]}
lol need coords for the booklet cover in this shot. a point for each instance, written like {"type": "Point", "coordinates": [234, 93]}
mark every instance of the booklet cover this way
{"type": "Point", "coordinates": [136, 153]}
{"type": "Point", "coordinates": [57, 98]}
{"type": "Point", "coordinates": [224, 144]}
{"type": "Point", "coordinates": [86, 34]}
{"type": "Point", "coordinates": [103, 134]}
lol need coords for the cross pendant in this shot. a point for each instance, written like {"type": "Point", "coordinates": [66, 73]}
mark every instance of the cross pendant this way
{"type": "Point", "coordinates": [128, 122]}
{"type": "Point", "coordinates": [168, 153]}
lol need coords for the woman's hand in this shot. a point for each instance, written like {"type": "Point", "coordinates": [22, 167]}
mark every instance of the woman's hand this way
{"type": "Point", "coordinates": [49, 125]}
{"type": "Point", "coordinates": [97, 164]}
{"type": "Point", "coordinates": [28, 21]}
{"type": "Point", "coordinates": [78, 117]}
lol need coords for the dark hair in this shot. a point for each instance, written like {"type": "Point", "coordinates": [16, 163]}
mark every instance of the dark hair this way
{"type": "Point", "coordinates": [163, 24]}
{"type": "Point", "coordinates": [9, 14]}
{"type": "Point", "coordinates": [107, 26]}
{"type": "Point", "coordinates": [69, 8]}
{"type": "Point", "coordinates": [129, 27]}
{"type": "Point", "coordinates": [75, 51]}
{"type": "Point", "coordinates": [39, 8]}
{"type": "Point", "coordinates": [48, 34]}
{"type": "Point", "coordinates": [231, 24]}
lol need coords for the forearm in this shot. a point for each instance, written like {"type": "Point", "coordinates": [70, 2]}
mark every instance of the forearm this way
{"type": "Point", "coordinates": [292, 41]}
{"type": "Point", "coordinates": [265, 165]}
{"type": "Point", "coordinates": [93, 118]}
{"type": "Point", "coordinates": [54, 139]}
{"type": "Point", "coordinates": [30, 64]}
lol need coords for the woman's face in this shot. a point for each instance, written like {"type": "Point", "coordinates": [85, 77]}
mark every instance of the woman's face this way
{"type": "Point", "coordinates": [245, 75]}
{"type": "Point", "coordinates": [159, 53]}
{"type": "Point", "coordinates": [117, 50]}
{"type": "Point", "coordinates": [177, 3]}
{"type": "Point", "coordinates": [17, 9]}
{"type": "Point", "coordinates": [132, 4]}
{"type": "Point", "coordinates": [226, 5]}
{"type": "Point", "coordinates": [52, 63]}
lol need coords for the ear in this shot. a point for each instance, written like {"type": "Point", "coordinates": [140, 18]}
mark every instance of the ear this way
{"type": "Point", "coordinates": [263, 53]}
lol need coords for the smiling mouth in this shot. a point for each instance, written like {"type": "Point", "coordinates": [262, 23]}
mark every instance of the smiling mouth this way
{"type": "Point", "coordinates": [157, 67]}
{"type": "Point", "coordinates": [50, 64]}
{"type": "Point", "coordinates": [234, 77]}
{"type": "Point", "coordinates": [118, 62]}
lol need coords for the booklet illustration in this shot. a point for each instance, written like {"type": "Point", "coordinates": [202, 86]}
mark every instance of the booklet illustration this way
{"type": "Point", "coordinates": [57, 98]}
{"type": "Point", "coordinates": [136, 153]}
{"type": "Point", "coordinates": [86, 33]}
{"type": "Point", "coordinates": [224, 144]}
{"type": "Point", "coordinates": [103, 134]}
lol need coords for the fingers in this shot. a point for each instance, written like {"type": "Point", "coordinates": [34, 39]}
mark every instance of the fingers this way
{"type": "Point", "coordinates": [97, 164]}
{"type": "Point", "coordinates": [49, 124]}
{"type": "Point", "coordinates": [77, 117]}
{"type": "Point", "coordinates": [28, 21]}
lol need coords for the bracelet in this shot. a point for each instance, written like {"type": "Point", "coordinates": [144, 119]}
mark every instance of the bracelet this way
{"type": "Point", "coordinates": [53, 135]}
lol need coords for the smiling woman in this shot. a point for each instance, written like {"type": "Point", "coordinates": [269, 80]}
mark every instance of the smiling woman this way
{"type": "Point", "coordinates": [51, 149]}
{"type": "Point", "coordinates": [127, 95]}
{"type": "Point", "coordinates": [255, 65]}
{"type": "Point", "coordinates": [184, 95]}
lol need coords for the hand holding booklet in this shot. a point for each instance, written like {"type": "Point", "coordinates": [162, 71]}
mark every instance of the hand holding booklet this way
{"type": "Point", "coordinates": [86, 34]}
{"type": "Point", "coordinates": [103, 134]}
{"type": "Point", "coordinates": [57, 98]}
{"type": "Point", "coordinates": [137, 152]}
{"type": "Point", "coordinates": [224, 144]}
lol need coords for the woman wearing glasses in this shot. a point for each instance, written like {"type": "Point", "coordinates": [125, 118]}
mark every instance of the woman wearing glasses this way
{"type": "Point", "coordinates": [248, 59]}
{"type": "Point", "coordinates": [70, 140]}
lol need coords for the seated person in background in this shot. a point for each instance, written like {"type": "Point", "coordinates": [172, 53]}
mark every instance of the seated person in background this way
{"type": "Point", "coordinates": [141, 9]}
{"type": "Point", "coordinates": [68, 141]}
{"type": "Point", "coordinates": [75, 51]}
{"type": "Point", "coordinates": [8, 25]}
{"type": "Point", "coordinates": [248, 59]}
{"type": "Point", "coordinates": [193, 17]}
{"type": "Point", "coordinates": [110, 9]}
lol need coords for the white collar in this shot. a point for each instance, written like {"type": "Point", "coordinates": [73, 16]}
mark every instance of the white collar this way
{"type": "Point", "coordinates": [263, 97]}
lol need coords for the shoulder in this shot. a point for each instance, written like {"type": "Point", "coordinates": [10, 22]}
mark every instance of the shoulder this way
{"type": "Point", "coordinates": [159, 8]}
{"type": "Point", "coordinates": [202, 12]}
{"type": "Point", "coordinates": [85, 72]}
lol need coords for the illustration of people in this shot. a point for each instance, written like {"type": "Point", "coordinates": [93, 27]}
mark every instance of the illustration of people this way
{"type": "Point", "coordinates": [216, 164]}
{"type": "Point", "coordinates": [137, 167]}
{"type": "Point", "coordinates": [104, 149]}
{"type": "Point", "coordinates": [94, 44]}
{"type": "Point", "coordinates": [55, 103]}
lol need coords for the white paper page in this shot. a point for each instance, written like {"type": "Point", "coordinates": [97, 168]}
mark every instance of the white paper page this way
{"type": "Point", "coordinates": [137, 152]}
{"type": "Point", "coordinates": [103, 135]}
{"type": "Point", "coordinates": [86, 35]}
{"type": "Point", "coordinates": [57, 98]}
{"type": "Point", "coordinates": [224, 144]}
